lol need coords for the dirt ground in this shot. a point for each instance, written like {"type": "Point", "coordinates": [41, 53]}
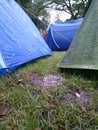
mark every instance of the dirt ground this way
{"type": "Point", "coordinates": [81, 97]}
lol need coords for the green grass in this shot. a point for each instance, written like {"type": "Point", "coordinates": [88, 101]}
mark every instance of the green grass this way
{"type": "Point", "coordinates": [35, 108]}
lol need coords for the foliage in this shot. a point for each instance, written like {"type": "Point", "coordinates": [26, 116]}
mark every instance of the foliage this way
{"type": "Point", "coordinates": [36, 12]}
{"type": "Point", "coordinates": [35, 108]}
{"type": "Point", "coordinates": [37, 9]}
{"type": "Point", "coordinates": [73, 7]}
{"type": "Point", "coordinates": [87, 7]}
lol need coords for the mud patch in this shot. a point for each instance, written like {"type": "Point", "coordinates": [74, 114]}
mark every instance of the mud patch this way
{"type": "Point", "coordinates": [47, 81]}
{"type": "Point", "coordinates": [83, 98]}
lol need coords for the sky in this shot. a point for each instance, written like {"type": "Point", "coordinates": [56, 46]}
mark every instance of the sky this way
{"type": "Point", "coordinates": [62, 16]}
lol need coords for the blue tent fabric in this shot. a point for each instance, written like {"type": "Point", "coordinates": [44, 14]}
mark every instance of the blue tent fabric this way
{"type": "Point", "coordinates": [61, 34]}
{"type": "Point", "coordinates": [20, 40]}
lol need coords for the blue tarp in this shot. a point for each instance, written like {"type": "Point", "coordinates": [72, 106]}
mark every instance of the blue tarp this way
{"type": "Point", "coordinates": [61, 34]}
{"type": "Point", "coordinates": [20, 40]}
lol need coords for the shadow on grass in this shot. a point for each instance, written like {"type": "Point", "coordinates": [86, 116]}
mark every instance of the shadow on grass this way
{"type": "Point", "coordinates": [89, 74]}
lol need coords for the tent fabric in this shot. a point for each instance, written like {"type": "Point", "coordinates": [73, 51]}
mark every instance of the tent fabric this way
{"type": "Point", "coordinates": [83, 52]}
{"type": "Point", "coordinates": [61, 34]}
{"type": "Point", "coordinates": [20, 40]}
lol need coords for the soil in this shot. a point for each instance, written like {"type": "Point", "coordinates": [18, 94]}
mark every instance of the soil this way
{"type": "Point", "coordinates": [47, 81]}
{"type": "Point", "coordinates": [81, 97]}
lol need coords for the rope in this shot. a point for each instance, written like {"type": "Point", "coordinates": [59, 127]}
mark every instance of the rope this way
{"type": "Point", "coordinates": [45, 24]}
{"type": "Point", "coordinates": [33, 15]}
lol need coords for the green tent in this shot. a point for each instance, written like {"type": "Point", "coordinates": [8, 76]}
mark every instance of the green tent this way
{"type": "Point", "coordinates": [83, 52]}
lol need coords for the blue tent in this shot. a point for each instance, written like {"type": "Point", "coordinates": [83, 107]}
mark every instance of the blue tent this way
{"type": "Point", "coordinates": [20, 40]}
{"type": "Point", "coordinates": [61, 34]}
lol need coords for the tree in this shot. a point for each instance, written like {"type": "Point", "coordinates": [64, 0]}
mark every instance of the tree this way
{"type": "Point", "coordinates": [87, 7]}
{"type": "Point", "coordinates": [36, 12]}
{"type": "Point", "coordinates": [73, 7]}
{"type": "Point", "coordinates": [37, 9]}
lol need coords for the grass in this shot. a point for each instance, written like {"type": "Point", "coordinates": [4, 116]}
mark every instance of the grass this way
{"type": "Point", "coordinates": [35, 108]}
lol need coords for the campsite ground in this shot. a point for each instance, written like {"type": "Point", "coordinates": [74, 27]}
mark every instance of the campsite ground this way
{"type": "Point", "coordinates": [39, 96]}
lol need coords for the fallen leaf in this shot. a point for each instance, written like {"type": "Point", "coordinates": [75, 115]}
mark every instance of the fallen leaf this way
{"type": "Point", "coordinates": [20, 80]}
{"type": "Point", "coordinates": [3, 112]}
{"type": "Point", "coordinates": [78, 95]}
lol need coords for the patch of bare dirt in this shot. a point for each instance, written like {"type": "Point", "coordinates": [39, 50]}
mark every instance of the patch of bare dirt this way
{"type": "Point", "coordinates": [83, 98]}
{"type": "Point", "coordinates": [47, 81]}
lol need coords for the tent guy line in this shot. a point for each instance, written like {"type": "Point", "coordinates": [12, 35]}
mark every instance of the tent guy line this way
{"type": "Point", "coordinates": [20, 39]}
{"type": "Point", "coordinates": [66, 38]}
{"type": "Point", "coordinates": [33, 15]}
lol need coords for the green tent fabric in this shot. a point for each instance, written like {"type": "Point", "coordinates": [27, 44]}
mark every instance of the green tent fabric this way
{"type": "Point", "coordinates": [83, 52]}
